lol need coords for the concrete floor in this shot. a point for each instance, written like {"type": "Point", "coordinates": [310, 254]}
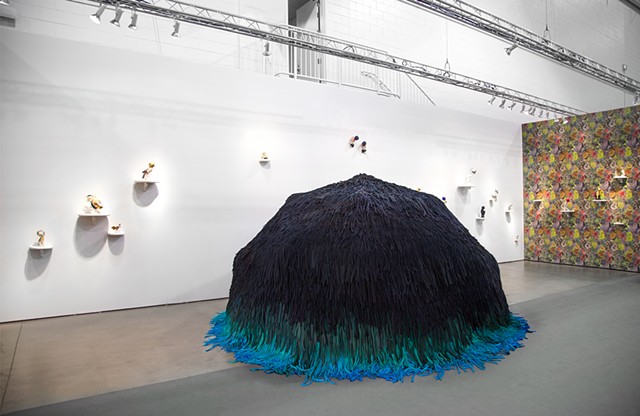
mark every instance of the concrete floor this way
{"type": "Point", "coordinates": [53, 360]}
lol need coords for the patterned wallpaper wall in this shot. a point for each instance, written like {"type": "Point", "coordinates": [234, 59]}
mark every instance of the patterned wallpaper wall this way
{"type": "Point", "coordinates": [582, 190]}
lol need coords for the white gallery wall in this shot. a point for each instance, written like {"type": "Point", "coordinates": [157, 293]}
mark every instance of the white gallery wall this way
{"type": "Point", "coordinates": [78, 119]}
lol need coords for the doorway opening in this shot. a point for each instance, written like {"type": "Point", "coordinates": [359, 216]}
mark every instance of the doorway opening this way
{"type": "Point", "coordinates": [307, 15]}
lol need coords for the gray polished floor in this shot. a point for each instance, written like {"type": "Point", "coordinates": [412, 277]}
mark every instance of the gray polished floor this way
{"type": "Point", "coordinates": [54, 360]}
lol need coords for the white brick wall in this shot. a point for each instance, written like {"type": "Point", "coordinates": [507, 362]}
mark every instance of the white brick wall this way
{"type": "Point", "coordinates": [66, 20]}
{"type": "Point", "coordinates": [606, 31]}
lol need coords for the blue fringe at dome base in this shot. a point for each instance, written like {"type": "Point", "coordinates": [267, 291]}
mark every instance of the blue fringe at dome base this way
{"type": "Point", "coordinates": [485, 346]}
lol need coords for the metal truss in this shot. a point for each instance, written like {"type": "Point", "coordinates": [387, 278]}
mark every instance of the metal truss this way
{"type": "Point", "coordinates": [479, 19]}
{"type": "Point", "coordinates": [300, 38]}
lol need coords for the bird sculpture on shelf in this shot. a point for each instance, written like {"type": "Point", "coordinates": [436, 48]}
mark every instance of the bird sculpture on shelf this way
{"type": "Point", "coordinates": [147, 171]}
{"type": "Point", "coordinates": [94, 202]}
{"type": "Point", "coordinates": [353, 140]}
{"type": "Point", "coordinates": [40, 234]}
{"type": "Point", "coordinates": [116, 227]}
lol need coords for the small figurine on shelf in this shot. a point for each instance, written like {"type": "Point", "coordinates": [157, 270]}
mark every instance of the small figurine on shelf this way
{"type": "Point", "coordinates": [469, 177]}
{"type": "Point", "coordinates": [565, 205]}
{"type": "Point", "coordinates": [95, 203]}
{"type": "Point", "coordinates": [363, 147]}
{"type": "Point", "coordinates": [147, 171]}
{"type": "Point", "coordinates": [444, 199]}
{"type": "Point", "coordinates": [622, 172]}
{"type": "Point", "coordinates": [510, 208]}
{"type": "Point", "coordinates": [353, 140]}
{"type": "Point", "coordinates": [599, 194]}
{"type": "Point", "coordinates": [482, 212]}
{"type": "Point", "coordinates": [517, 239]}
{"type": "Point", "coordinates": [116, 228]}
{"type": "Point", "coordinates": [40, 242]}
{"type": "Point", "coordinates": [494, 195]}
{"type": "Point", "coordinates": [264, 156]}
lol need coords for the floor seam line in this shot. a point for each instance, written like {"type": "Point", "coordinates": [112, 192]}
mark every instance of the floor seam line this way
{"type": "Point", "coordinates": [13, 360]}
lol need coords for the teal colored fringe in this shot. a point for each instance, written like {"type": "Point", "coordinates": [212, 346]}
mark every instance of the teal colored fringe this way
{"type": "Point", "coordinates": [485, 346]}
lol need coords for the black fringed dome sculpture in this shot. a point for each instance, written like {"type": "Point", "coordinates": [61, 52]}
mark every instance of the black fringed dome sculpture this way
{"type": "Point", "coordinates": [364, 278]}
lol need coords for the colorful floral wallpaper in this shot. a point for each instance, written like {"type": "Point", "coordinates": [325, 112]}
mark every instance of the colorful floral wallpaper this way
{"type": "Point", "coordinates": [582, 190]}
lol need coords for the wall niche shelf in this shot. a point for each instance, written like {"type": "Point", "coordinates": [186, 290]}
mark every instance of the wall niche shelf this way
{"type": "Point", "coordinates": [145, 183]}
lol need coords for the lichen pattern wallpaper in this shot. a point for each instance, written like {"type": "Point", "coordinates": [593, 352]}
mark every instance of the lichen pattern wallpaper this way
{"type": "Point", "coordinates": [582, 190]}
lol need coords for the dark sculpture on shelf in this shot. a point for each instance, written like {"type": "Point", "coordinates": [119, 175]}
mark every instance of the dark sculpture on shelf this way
{"type": "Point", "coordinates": [482, 212]}
{"type": "Point", "coordinates": [364, 278]}
{"type": "Point", "coordinates": [363, 147]}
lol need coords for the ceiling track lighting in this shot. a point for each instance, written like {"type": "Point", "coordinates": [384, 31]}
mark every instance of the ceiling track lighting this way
{"type": "Point", "coordinates": [510, 49]}
{"type": "Point", "coordinates": [492, 25]}
{"type": "Point", "coordinates": [532, 111]}
{"type": "Point", "coordinates": [116, 19]}
{"type": "Point", "coordinates": [134, 21]}
{"type": "Point", "coordinates": [502, 103]}
{"type": "Point", "coordinates": [513, 104]}
{"type": "Point", "coordinates": [176, 29]}
{"type": "Point", "coordinates": [491, 100]}
{"type": "Point", "coordinates": [213, 19]}
{"type": "Point", "coordinates": [540, 114]}
{"type": "Point", "coordinates": [522, 109]}
{"type": "Point", "coordinates": [95, 18]}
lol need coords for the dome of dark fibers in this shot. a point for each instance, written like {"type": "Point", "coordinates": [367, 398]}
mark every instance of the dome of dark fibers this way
{"type": "Point", "coordinates": [364, 278]}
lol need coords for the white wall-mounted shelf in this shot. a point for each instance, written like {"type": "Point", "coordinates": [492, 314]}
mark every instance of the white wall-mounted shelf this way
{"type": "Point", "coordinates": [115, 233]}
{"type": "Point", "coordinates": [567, 211]}
{"type": "Point", "coordinates": [45, 247]}
{"type": "Point", "coordinates": [265, 160]}
{"type": "Point", "coordinates": [537, 201]}
{"type": "Point", "coordinates": [145, 182]}
{"type": "Point", "coordinates": [600, 200]}
{"type": "Point", "coordinates": [620, 224]}
{"type": "Point", "coordinates": [466, 186]}
{"type": "Point", "coordinates": [620, 177]}
{"type": "Point", "coordinates": [480, 219]}
{"type": "Point", "coordinates": [508, 211]}
{"type": "Point", "coordinates": [93, 215]}
{"type": "Point", "coordinates": [41, 249]}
